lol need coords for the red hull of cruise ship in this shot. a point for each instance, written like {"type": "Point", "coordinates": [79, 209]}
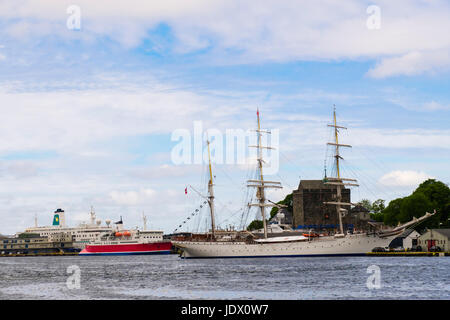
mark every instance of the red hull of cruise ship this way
{"type": "Point", "coordinates": [135, 248]}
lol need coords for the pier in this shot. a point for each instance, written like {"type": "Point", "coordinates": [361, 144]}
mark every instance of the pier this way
{"type": "Point", "coordinates": [53, 254]}
{"type": "Point", "coordinates": [408, 254]}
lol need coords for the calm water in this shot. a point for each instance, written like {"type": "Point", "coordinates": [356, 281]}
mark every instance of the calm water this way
{"type": "Point", "coordinates": [168, 277]}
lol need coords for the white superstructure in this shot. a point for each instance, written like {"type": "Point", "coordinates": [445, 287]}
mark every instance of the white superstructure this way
{"type": "Point", "coordinates": [83, 234]}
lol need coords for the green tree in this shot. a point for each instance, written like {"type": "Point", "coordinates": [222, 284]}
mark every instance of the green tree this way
{"type": "Point", "coordinates": [392, 211]}
{"type": "Point", "coordinates": [365, 203]}
{"type": "Point", "coordinates": [255, 225]}
{"type": "Point", "coordinates": [429, 195]}
{"type": "Point", "coordinates": [378, 206]}
{"type": "Point", "coordinates": [439, 194]}
{"type": "Point", "coordinates": [287, 201]}
{"type": "Point", "coordinates": [414, 206]}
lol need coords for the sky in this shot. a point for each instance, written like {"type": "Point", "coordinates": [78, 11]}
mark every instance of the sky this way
{"type": "Point", "coordinates": [92, 92]}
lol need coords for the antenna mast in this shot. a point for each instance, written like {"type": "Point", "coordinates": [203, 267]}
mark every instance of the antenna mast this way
{"type": "Point", "coordinates": [144, 218]}
{"type": "Point", "coordinates": [338, 181]}
{"type": "Point", "coordinates": [92, 213]}
{"type": "Point", "coordinates": [261, 184]}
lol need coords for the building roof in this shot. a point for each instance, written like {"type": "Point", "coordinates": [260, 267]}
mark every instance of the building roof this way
{"type": "Point", "coordinates": [444, 232]}
{"type": "Point", "coordinates": [406, 233]}
{"type": "Point", "coordinates": [359, 208]}
{"type": "Point", "coordinates": [315, 184]}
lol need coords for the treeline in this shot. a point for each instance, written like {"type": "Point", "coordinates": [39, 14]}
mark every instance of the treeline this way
{"type": "Point", "coordinates": [429, 196]}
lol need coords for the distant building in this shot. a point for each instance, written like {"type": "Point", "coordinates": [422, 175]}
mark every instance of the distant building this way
{"type": "Point", "coordinates": [435, 238]}
{"type": "Point", "coordinates": [33, 243]}
{"type": "Point", "coordinates": [407, 240]}
{"type": "Point", "coordinates": [283, 217]}
{"type": "Point", "coordinates": [310, 210]}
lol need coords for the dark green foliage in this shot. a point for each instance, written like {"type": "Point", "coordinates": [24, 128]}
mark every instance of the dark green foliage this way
{"type": "Point", "coordinates": [287, 202]}
{"type": "Point", "coordinates": [255, 225]}
{"type": "Point", "coordinates": [414, 206]}
{"type": "Point", "coordinates": [365, 203]}
{"type": "Point", "coordinates": [430, 195]}
{"type": "Point", "coordinates": [378, 206]}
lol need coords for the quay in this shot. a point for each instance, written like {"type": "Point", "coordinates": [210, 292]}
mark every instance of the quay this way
{"type": "Point", "coordinates": [39, 254]}
{"type": "Point", "coordinates": [29, 245]}
{"type": "Point", "coordinates": [408, 254]}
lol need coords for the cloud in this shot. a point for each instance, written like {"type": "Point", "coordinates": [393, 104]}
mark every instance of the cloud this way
{"type": "Point", "coordinates": [412, 39]}
{"type": "Point", "coordinates": [411, 64]}
{"type": "Point", "coordinates": [165, 171]}
{"type": "Point", "coordinates": [404, 178]}
{"type": "Point", "coordinates": [20, 169]}
{"type": "Point", "coordinates": [85, 128]}
{"type": "Point", "coordinates": [407, 138]}
{"type": "Point", "coordinates": [428, 106]}
{"type": "Point", "coordinates": [132, 198]}
{"type": "Point", "coordinates": [433, 106]}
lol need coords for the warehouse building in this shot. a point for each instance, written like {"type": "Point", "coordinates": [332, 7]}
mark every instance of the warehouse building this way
{"type": "Point", "coordinates": [435, 239]}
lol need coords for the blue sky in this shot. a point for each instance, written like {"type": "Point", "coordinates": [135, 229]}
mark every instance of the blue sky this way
{"type": "Point", "coordinates": [87, 115]}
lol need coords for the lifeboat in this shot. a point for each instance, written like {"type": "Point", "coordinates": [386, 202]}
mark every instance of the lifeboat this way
{"type": "Point", "coordinates": [311, 235]}
{"type": "Point", "coordinates": [127, 234]}
{"type": "Point", "coordinates": [118, 234]}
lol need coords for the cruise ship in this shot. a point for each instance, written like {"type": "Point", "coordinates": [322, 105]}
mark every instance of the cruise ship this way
{"type": "Point", "coordinates": [82, 234]}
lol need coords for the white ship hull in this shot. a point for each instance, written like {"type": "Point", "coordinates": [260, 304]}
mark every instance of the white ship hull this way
{"type": "Point", "coordinates": [356, 244]}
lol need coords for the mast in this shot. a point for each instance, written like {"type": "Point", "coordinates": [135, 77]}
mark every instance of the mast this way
{"type": "Point", "coordinates": [211, 193]}
{"type": "Point", "coordinates": [338, 181]}
{"type": "Point", "coordinates": [144, 218]}
{"type": "Point", "coordinates": [92, 213]}
{"type": "Point", "coordinates": [261, 184]}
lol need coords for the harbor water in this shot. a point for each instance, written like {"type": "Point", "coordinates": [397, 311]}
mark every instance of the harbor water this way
{"type": "Point", "coordinates": [169, 277]}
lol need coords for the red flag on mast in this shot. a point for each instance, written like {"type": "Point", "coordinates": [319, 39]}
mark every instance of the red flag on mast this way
{"type": "Point", "coordinates": [185, 190]}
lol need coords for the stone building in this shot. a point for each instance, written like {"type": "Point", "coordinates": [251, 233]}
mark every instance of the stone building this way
{"type": "Point", "coordinates": [309, 209]}
{"type": "Point", "coordinates": [308, 203]}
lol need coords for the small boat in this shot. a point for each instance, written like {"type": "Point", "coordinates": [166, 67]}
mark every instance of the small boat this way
{"type": "Point", "coordinates": [311, 235]}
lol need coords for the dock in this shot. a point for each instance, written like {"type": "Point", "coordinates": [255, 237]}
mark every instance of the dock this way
{"type": "Point", "coordinates": [408, 254]}
{"type": "Point", "coordinates": [53, 254]}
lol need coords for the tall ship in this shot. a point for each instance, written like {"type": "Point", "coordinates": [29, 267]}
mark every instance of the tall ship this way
{"type": "Point", "coordinates": [129, 242]}
{"type": "Point", "coordinates": [82, 234]}
{"type": "Point", "coordinates": [245, 244]}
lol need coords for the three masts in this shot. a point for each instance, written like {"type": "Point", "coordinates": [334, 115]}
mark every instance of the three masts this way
{"type": "Point", "coordinates": [293, 245]}
{"type": "Point", "coordinates": [261, 185]}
